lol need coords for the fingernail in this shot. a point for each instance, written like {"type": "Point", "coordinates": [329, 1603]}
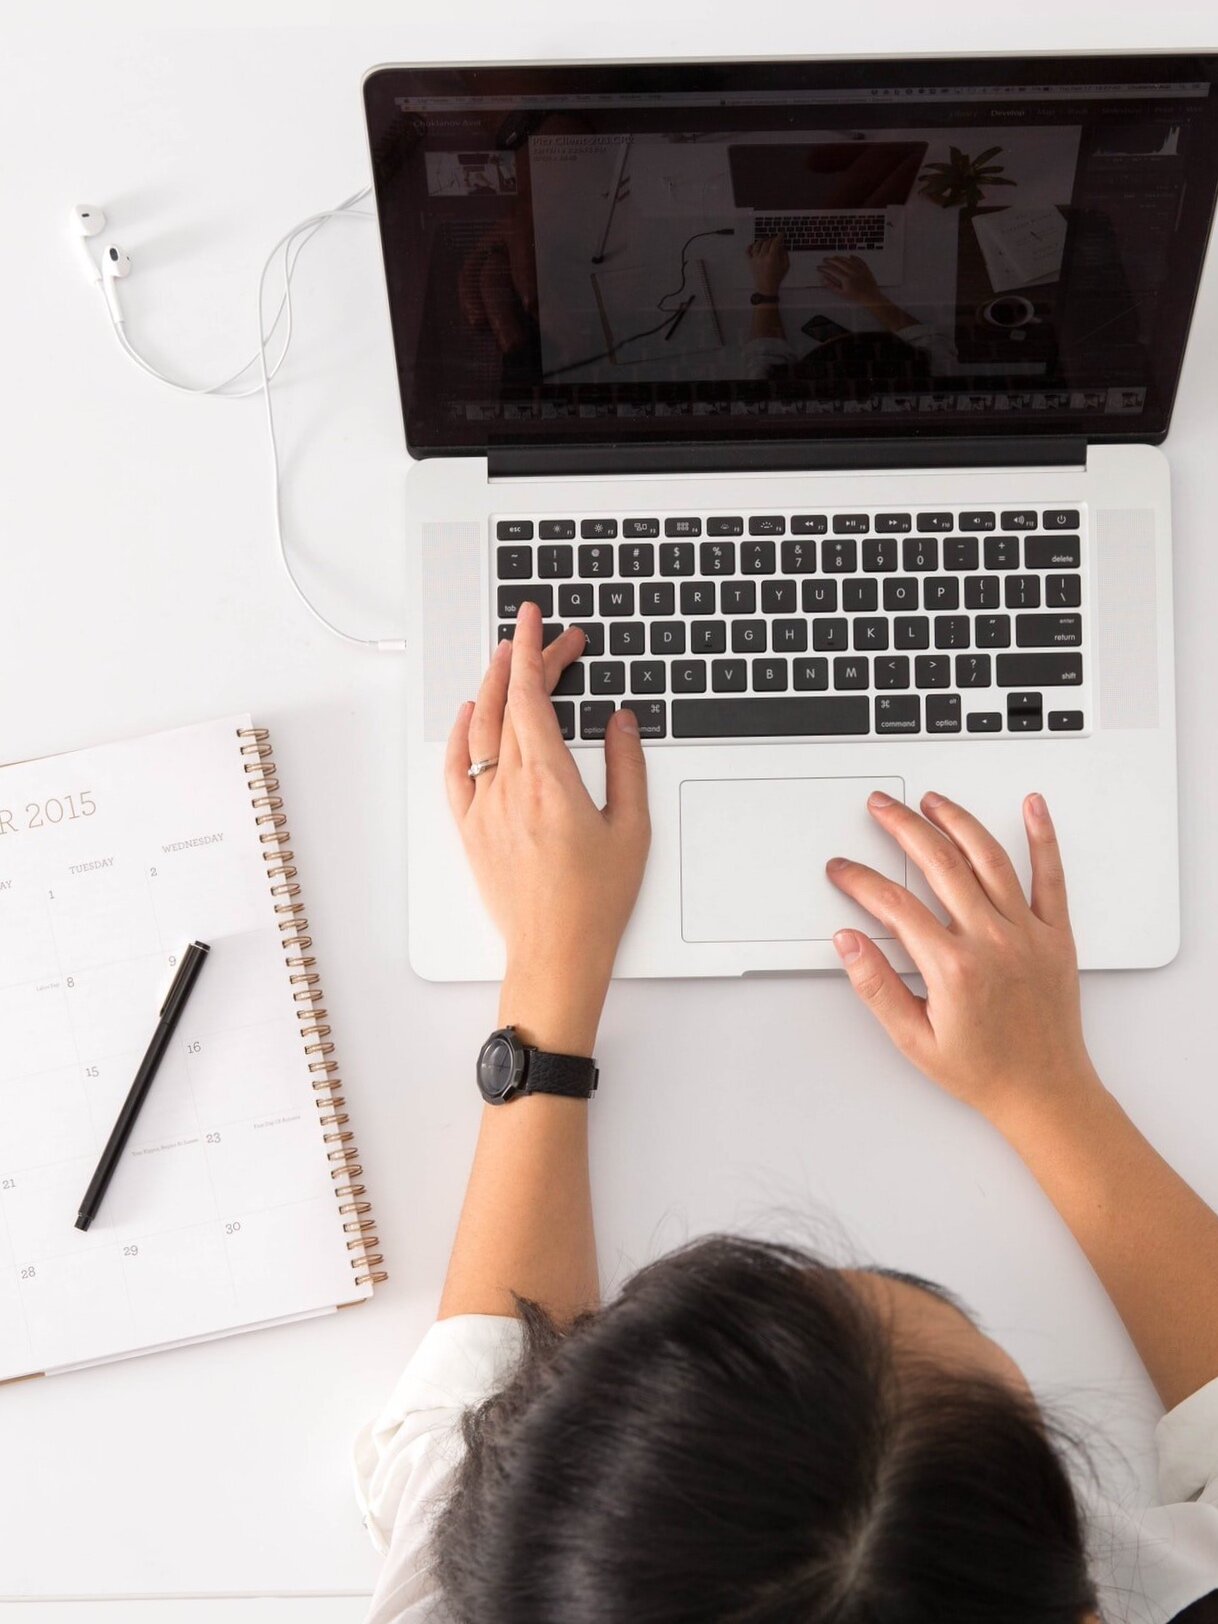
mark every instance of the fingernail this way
{"type": "Point", "coordinates": [835, 863]}
{"type": "Point", "coordinates": [848, 946]}
{"type": "Point", "coordinates": [1037, 807]}
{"type": "Point", "coordinates": [628, 721]}
{"type": "Point", "coordinates": [879, 799]}
{"type": "Point", "coordinates": [933, 799]}
{"type": "Point", "coordinates": [504, 642]}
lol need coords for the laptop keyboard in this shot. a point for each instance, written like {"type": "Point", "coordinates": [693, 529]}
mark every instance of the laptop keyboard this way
{"type": "Point", "coordinates": [822, 232]}
{"type": "Point", "coordinates": [913, 624]}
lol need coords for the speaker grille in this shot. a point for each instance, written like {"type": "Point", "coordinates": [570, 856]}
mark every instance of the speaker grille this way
{"type": "Point", "coordinates": [452, 617]}
{"type": "Point", "coordinates": [1126, 612]}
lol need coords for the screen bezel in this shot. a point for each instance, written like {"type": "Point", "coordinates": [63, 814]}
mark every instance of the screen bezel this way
{"type": "Point", "coordinates": [525, 81]}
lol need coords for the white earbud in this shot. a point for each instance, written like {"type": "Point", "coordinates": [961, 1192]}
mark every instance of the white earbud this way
{"type": "Point", "coordinates": [116, 263]}
{"type": "Point", "coordinates": [87, 222]}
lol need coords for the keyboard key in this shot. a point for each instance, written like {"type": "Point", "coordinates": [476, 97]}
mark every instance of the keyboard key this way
{"type": "Point", "coordinates": [607, 677]}
{"type": "Point", "coordinates": [555, 563]}
{"type": "Point", "coordinates": [1048, 631]}
{"type": "Point", "coordinates": [778, 597]}
{"type": "Point", "coordinates": [984, 722]}
{"type": "Point", "coordinates": [911, 631]}
{"type": "Point", "coordinates": [551, 631]}
{"type": "Point", "coordinates": [514, 563]}
{"type": "Point", "coordinates": [682, 527]}
{"type": "Point", "coordinates": [698, 598]}
{"type": "Point", "coordinates": [708, 637]}
{"type": "Point", "coordinates": [594, 717]}
{"type": "Point", "coordinates": [652, 716]}
{"type": "Point", "coordinates": [851, 672]}
{"type": "Point", "coordinates": [598, 529]}
{"type": "Point", "coordinates": [639, 559]}
{"type": "Point", "coordinates": [757, 557]}
{"type": "Point", "coordinates": [1002, 552]}
{"type": "Point", "coordinates": [819, 597]}
{"type": "Point", "coordinates": [640, 529]}
{"type": "Point", "coordinates": [952, 631]}
{"type": "Point", "coordinates": [976, 521]}
{"type": "Point", "coordinates": [935, 521]}
{"type": "Point", "coordinates": [809, 524]}
{"type": "Point", "coordinates": [738, 597]}
{"type": "Point", "coordinates": [595, 561]}
{"type": "Point", "coordinates": [839, 557]}
{"type": "Point", "coordinates": [920, 553]}
{"type": "Point", "coordinates": [981, 592]}
{"type": "Point", "coordinates": [1059, 519]}
{"type": "Point", "coordinates": [725, 527]}
{"type": "Point", "coordinates": [941, 593]}
{"type": "Point", "coordinates": [798, 557]}
{"type": "Point", "coordinates": [748, 636]}
{"type": "Point", "coordinates": [880, 553]}
{"type": "Point", "coordinates": [943, 713]}
{"type": "Point", "coordinates": [647, 676]}
{"type": "Point", "coordinates": [891, 524]}
{"type": "Point", "coordinates": [789, 636]}
{"type": "Point", "coordinates": [658, 598]}
{"type": "Point", "coordinates": [851, 524]}
{"type": "Point", "coordinates": [594, 634]}
{"type": "Point", "coordinates": [811, 674]}
{"type": "Point", "coordinates": [767, 524]}
{"type": "Point", "coordinates": [870, 633]}
{"type": "Point", "coordinates": [1025, 713]}
{"type": "Point", "coordinates": [677, 558]}
{"type": "Point", "coordinates": [892, 671]}
{"type": "Point", "coordinates": [1041, 670]}
{"type": "Point", "coordinates": [574, 601]}
{"type": "Point", "coordinates": [511, 597]}
{"type": "Point", "coordinates": [932, 671]}
{"type": "Point", "coordinates": [564, 712]}
{"type": "Point", "coordinates": [627, 637]}
{"type": "Point", "coordinates": [729, 676]}
{"type": "Point", "coordinates": [1063, 591]}
{"type": "Point", "coordinates": [901, 593]}
{"type": "Point", "coordinates": [514, 530]}
{"type": "Point", "coordinates": [860, 597]}
{"type": "Point", "coordinates": [616, 598]}
{"type": "Point", "coordinates": [992, 631]}
{"type": "Point", "coordinates": [960, 552]}
{"type": "Point", "coordinates": [830, 636]}
{"type": "Point", "coordinates": [973, 671]}
{"type": "Point", "coordinates": [769, 676]}
{"type": "Point", "coordinates": [571, 681]}
{"type": "Point", "coordinates": [689, 676]}
{"type": "Point", "coordinates": [789, 716]}
{"type": "Point", "coordinates": [556, 530]}
{"type": "Point", "coordinates": [1020, 519]}
{"type": "Point", "coordinates": [1065, 721]}
{"type": "Point", "coordinates": [718, 557]}
{"type": "Point", "coordinates": [1023, 592]}
{"type": "Point", "coordinates": [1052, 552]}
{"type": "Point", "coordinates": [668, 637]}
{"type": "Point", "coordinates": [901, 714]}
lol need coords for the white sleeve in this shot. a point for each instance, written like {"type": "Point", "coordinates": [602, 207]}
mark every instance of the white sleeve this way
{"type": "Point", "coordinates": [938, 347]}
{"type": "Point", "coordinates": [763, 356]}
{"type": "Point", "coordinates": [1187, 1443]}
{"type": "Point", "coordinates": [404, 1460]}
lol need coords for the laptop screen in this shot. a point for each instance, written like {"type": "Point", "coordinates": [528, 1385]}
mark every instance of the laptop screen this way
{"type": "Point", "coordinates": [604, 253]}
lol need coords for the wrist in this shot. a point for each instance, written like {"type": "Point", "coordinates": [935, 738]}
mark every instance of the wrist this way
{"type": "Point", "coordinates": [1035, 1118]}
{"type": "Point", "coordinates": [556, 1010]}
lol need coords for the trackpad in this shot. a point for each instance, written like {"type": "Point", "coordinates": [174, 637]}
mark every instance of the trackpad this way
{"type": "Point", "coordinates": [753, 854]}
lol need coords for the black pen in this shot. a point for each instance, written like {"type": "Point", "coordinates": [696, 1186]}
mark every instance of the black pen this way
{"type": "Point", "coordinates": [171, 1011]}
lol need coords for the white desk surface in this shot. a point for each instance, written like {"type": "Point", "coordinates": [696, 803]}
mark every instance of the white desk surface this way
{"type": "Point", "coordinates": [138, 590]}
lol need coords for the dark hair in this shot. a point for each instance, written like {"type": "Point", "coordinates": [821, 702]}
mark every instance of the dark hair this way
{"type": "Point", "coordinates": [731, 1441]}
{"type": "Point", "coordinates": [858, 365]}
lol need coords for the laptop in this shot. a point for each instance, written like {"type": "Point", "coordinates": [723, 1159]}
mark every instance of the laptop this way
{"type": "Point", "coordinates": [907, 535]}
{"type": "Point", "coordinates": [830, 196]}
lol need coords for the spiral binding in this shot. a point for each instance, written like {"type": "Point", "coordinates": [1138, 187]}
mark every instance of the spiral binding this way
{"type": "Point", "coordinates": [356, 1210]}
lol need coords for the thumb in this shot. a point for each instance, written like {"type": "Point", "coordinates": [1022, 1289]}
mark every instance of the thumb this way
{"type": "Point", "coordinates": [899, 1012]}
{"type": "Point", "coordinates": [625, 771]}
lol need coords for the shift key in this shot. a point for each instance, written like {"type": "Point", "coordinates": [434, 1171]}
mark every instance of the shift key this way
{"type": "Point", "coordinates": [1048, 631]}
{"type": "Point", "coordinates": [1039, 670]}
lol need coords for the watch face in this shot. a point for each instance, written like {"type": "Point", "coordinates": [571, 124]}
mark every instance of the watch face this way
{"type": "Point", "coordinates": [497, 1067]}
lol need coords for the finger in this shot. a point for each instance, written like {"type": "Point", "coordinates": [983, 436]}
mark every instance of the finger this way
{"type": "Point", "coordinates": [625, 773]}
{"type": "Point", "coordinates": [457, 782]}
{"type": "Point", "coordinates": [1049, 901]}
{"type": "Point", "coordinates": [899, 1012]}
{"type": "Point", "coordinates": [533, 724]}
{"type": "Point", "coordinates": [486, 721]}
{"type": "Point", "coordinates": [555, 659]}
{"type": "Point", "coordinates": [994, 870]}
{"type": "Point", "coordinates": [908, 919]}
{"type": "Point", "coordinates": [947, 872]}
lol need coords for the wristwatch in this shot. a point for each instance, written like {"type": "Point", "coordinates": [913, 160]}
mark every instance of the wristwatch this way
{"type": "Point", "coordinates": [763, 298]}
{"type": "Point", "coordinates": [507, 1069]}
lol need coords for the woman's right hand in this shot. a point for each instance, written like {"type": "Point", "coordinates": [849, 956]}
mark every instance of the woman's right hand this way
{"type": "Point", "coordinates": [1000, 1026]}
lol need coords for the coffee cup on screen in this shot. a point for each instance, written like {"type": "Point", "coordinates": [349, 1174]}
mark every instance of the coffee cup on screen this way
{"type": "Point", "coordinates": [1009, 310]}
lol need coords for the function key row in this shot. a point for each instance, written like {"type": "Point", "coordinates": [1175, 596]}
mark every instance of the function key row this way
{"type": "Point", "coordinates": [1018, 520]}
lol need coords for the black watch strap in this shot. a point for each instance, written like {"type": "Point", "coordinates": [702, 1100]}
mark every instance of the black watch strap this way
{"type": "Point", "coordinates": [573, 1076]}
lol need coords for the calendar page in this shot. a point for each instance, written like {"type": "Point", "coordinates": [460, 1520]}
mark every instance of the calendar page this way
{"type": "Point", "coordinates": [223, 1211]}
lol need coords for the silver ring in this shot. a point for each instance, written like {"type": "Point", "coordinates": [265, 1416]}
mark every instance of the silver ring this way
{"type": "Point", "coordinates": [477, 768]}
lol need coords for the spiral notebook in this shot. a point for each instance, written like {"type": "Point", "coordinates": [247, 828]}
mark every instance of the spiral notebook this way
{"type": "Point", "coordinates": [239, 1199]}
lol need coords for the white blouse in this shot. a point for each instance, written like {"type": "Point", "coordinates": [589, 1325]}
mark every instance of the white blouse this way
{"type": "Point", "coordinates": [1148, 1566]}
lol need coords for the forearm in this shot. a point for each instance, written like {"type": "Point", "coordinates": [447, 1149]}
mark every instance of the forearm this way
{"type": "Point", "coordinates": [767, 322]}
{"type": "Point", "coordinates": [1151, 1239]}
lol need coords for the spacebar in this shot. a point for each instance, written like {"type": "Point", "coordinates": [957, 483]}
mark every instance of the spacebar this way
{"type": "Point", "coordinates": [756, 717]}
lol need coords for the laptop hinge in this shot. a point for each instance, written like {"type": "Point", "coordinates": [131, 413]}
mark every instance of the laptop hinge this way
{"type": "Point", "coordinates": [718, 457]}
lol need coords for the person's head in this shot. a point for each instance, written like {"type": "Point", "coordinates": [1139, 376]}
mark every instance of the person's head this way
{"type": "Point", "coordinates": [749, 1436]}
